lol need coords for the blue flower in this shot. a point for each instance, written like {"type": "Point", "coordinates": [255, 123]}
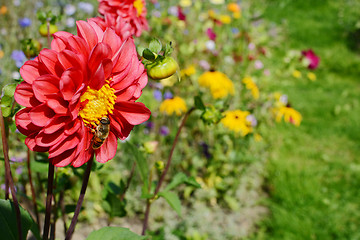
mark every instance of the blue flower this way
{"type": "Point", "coordinates": [157, 95]}
{"type": "Point", "coordinates": [168, 95]}
{"type": "Point", "coordinates": [19, 57]}
{"type": "Point", "coordinates": [24, 22]}
{"type": "Point", "coordinates": [164, 130]}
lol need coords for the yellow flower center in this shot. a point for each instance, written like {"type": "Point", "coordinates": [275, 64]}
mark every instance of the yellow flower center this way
{"type": "Point", "coordinates": [96, 104]}
{"type": "Point", "coordinates": [139, 6]}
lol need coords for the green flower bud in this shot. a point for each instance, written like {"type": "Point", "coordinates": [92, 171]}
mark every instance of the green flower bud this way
{"type": "Point", "coordinates": [211, 115]}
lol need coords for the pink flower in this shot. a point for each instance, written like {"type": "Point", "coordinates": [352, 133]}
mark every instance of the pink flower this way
{"type": "Point", "coordinates": [312, 58]}
{"type": "Point", "coordinates": [211, 34]}
{"type": "Point", "coordinates": [132, 11]}
{"type": "Point", "coordinates": [67, 90]}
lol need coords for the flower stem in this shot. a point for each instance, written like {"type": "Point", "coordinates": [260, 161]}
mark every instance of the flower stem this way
{"type": "Point", "coordinates": [8, 175]}
{"type": "Point", "coordinates": [162, 177]}
{"type": "Point", "coordinates": [33, 195]}
{"type": "Point", "coordinates": [48, 201]}
{"type": "Point", "coordinates": [81, 199]}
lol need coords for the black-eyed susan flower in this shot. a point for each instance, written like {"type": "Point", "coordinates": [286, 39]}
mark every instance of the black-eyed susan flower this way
{"type": "Point", "coordinates": [175, 105]}
{"type": "Point", "coordinates": [237, 121]}
{"type": "Point", "coordinates": [251, 85]}
{"type": "Point", "coordinates": [219, 84]}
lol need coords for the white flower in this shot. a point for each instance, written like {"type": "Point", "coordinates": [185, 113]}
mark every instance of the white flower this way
{"type": "Point", "coordinates": [86, 7]}
{"type": "Point", "coordinates": [15, 75]}
{"type": "Point", "coordinates": [210, 45]}
{"type": "Point", "coordinates": [70, 22]}
{"type": "Point", "coordinates": [69, 9]}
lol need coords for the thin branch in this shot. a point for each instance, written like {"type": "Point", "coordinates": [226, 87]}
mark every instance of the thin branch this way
{"type": "Point", "coordinates": [48, 201]}
{"type": "Point", "coordinates": [162, 177]}
{"type": "Point", "coordinates": [33, 195]}
{"type": "Point", "coordinates": [8, 174]}
{"type": "Point", "coordinates": [81, 199]}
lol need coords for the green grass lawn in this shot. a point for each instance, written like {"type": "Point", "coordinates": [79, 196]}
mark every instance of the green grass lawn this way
{"type": "Point", "coordinates": [314, 170]}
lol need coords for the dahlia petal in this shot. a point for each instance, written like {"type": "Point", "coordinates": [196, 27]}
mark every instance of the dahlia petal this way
{"type": "Point", "coordinates": [48, 140]}
{"type": "Point", "coordinates": [66, 143]}
{"type": "Point", "coordinates": [99, 32]}
{"type": "Point", "coordinates": [134, 112]}
{"type": "Point", "coordinates": [24, 95]}
{"type": "Point", "coordinates": [84, 149]}
{"type": "Point", "coordinates": [79, 45]}
{"type": "Point", "coordinates": [98, 78]}
{"type": "Point", "coordinates": [112, 40]}
{"type": "Point", "coordinates": [126, 94]}
{"type": "Point", "coordinates": [31, 144]}
{"type": "Point", "coordinates": [124, 55]}
{"type": "Point", "coordinates": [108, 150]}
{"type": "Point", "coordinates": [134, 73]}
{"type": "Point", "coordinates": [58, 104]}
{"type": "Point", "coordinates": [108, 65]}
{"type": "Point", "coordinates": [64, 159]}
{"type": "Point", "coordinates": [24, 124]}
{"type": "Point", "coordinates": [45, 85]}
{"type": "Point", "coordinates": [70, 82]}
{"type": "Point", "coordinates": [31, 70]}
{"type": "Point", "coordinates": [41, 115]}
{"type": "Point", "coordinates": [56, 124]}
{"type": "Point", "coordinates": [100, 52]}
{"type": "Point", "coordinates": [70, 59]}
{"type": "Point", "coordinates": [50, 61]}
{"type": "Point", "coordinates": [119, 126]}
{"type": "Point", "coordinates": [72, 127]}
{"type": "Point", "coordinates": [60, 40]}
{"type": "Point", "coordinates": [87, 32]}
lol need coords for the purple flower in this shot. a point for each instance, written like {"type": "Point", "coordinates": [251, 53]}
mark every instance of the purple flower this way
{"type": "Point", "coordinates": [235, 30]}
{"type": "Point", "coordinates": [157, 95]}
{"type": "Point", "coordinates": [211, 34]}
{"type": "Point", "coordinates": [168, 95]}
{"type": "Point", "coordinates": [17, 159]}
{"type": "Point", "coordinates": [86, 7]}
{"type": "Point", "coordinates": [258, 64]}
{"type": "Point", "coordinates": [19, 170]}
{"type": "Point", "coordinates": [149, 124]}
{"type": "Point", "coordinates": [19, 57]}
{"type": "Point", "coordinates": [204, 64]}
{"type": "Point", "coordinates": [164, 130]}
{"type": "Point", "coordinates": [251, 118]}
{"type": "Point", "coordinates": [24, 22]}
{"type": "Point", "coordinates": [312, 58]}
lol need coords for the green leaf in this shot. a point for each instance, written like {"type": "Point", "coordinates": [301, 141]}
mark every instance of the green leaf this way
{"type": "Point", "coordinates": [182, 178]}
{"type": "Point", "coordinates": [173, 200]}
{"type": "Point", "coordinates": [8, 224]}
{"type": "Point", "coordinates": [141, 163]}
{"type": "Point", "coordinates": [199, 103]}
{"type": "Point", "coordinates": [155, 46]}
{"type": "Point", "coordinates": [168, 49]}
{"type": "Point", "coordinates": [140, 50]}
{"type": "Point", "coordinates": [114, 233]}
{"type": "Point", "coordinates": [148, 54]}
{"type": "Point", "coordinates": [191, 181]}
{"type": "Point", "coordinates": [9, 90]}
{"type": "Point", "coordinates": [177, 180]}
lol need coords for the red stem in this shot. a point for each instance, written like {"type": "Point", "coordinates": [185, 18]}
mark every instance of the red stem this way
{"type": "Point", "coordinates": [8, 175]}
{"type": "Point", "coordinates": [48, 201]}
{"type": "Point", "coordinates": [33, 195]}
{"type": "Point", "coordinates": [162, 177]}
{"type": "Point", "coordinates": [81, 199]}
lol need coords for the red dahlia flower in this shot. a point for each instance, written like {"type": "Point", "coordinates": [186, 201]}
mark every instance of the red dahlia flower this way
{"type": "Point", "coordinates": [67, 90]}
{"type": "Point", "coordinates": [132, 11]}
{"type": "Point", "coordinates": [118, 24]}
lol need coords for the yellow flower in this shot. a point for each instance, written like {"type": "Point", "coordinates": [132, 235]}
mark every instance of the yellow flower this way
{"type": "Point", "coordinates": [290, 115]}
{"type": "Point", "coordinates": [191, 70]}
{"type": "Point", "coordinates": [237, 15]}
{"type": "Point", "coordinates": [311, 76]}
{"type": "Point", "coordinates": [234, 7]}
{"type": "Point", "coordinates": [175, 105]}
{"type": "Point", "coordinates": [1, 54]}
{"type": "Point", "coordinates": [225, 19]}
{"type": "Point", "coordinates": [257, 137]}
{"type": "Point", "coordinates": [251, 85]}
{"type": "Point", "coordinates": [219, 84]}
{"type": "Point", "coordinates": [236, 121]}
{"type": "Point", "coordinates": [296, 74]}
{"type": "Point", "coordinates": [3, 10]}
{"type": "Point", "coordinates": [212, 14]}
{"type": "Point", "coordinates": [185, 3]}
